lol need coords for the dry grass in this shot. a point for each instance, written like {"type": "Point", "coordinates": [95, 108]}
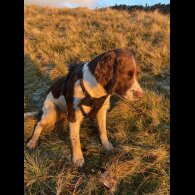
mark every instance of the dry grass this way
{"type": "Point", "coordinates": [139, 131]}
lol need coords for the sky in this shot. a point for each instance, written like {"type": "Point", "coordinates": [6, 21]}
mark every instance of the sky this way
{"type": "Point", "coordinates": [92, 3]}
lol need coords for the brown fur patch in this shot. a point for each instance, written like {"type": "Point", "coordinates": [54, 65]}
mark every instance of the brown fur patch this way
{"type": "Point", "coordinates": [75, 73]}
{"type": "Point", "coordinates": [56, 87]}
{"type": "Point", "coordinates": [65, 86]}
{"type": "Point", "coordinates": [102, 68]}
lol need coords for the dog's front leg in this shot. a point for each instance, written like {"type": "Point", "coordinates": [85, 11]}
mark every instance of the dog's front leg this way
{"type": "Point", "coordinates": [77, 155]}
{"type": "Point", "coordinates": [101, 119]}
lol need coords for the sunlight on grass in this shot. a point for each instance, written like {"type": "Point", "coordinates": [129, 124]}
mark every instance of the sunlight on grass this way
{"type": "Point", "coordinates": [139, 164]}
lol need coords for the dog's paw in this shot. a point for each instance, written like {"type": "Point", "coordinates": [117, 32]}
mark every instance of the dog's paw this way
{"type": "Point", "coordinates": [31, 144]}
{"type": "Point", "coordinates": [78, 162]}
{"type": "Point", "coordinates": [108, 146]}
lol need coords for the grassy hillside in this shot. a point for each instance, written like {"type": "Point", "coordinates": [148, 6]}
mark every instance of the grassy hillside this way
{"type": "Point", "coordinates": [139, 131]}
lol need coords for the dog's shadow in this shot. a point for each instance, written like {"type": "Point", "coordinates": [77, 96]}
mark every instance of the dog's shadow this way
{"type": "Point", "coordinates": [36, 83]}
{"type": "Point", "coordinates": [113, 102]}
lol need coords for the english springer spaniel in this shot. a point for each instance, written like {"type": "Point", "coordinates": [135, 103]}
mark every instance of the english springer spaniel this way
{"type": "Point", "coordinates": [85, 91]}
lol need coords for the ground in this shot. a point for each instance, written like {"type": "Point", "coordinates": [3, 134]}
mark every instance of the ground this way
{"type": "Point", "coordinates": [139, 131]}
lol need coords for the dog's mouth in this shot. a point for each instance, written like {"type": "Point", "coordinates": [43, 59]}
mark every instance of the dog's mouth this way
{"type": "Point", "coordinates": [131, 98]}
{"type": "Point", "coordinates": [124, 98]}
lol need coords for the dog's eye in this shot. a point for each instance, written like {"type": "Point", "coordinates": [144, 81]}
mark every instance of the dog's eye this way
{"type": "Point", "coordinates": [130, 74]}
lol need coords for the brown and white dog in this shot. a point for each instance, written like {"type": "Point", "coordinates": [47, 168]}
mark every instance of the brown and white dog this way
{"type": "Point", "coordinates": [115, 71]}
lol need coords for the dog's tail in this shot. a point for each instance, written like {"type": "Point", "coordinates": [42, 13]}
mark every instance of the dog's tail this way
{"type": "Point", "coordinates": [31, 114]}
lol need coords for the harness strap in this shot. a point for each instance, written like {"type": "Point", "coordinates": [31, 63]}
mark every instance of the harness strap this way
{"type": "Point", "coordinates": [84, 101]}
{"type": "Point", "coordinates": [83, 88]}
{"type": "Point", "coordinates": [71, 68]}
{"type": "Point", "coordinates": [94, 103]}
{"type": "Point", "coordinates": [62, 88]}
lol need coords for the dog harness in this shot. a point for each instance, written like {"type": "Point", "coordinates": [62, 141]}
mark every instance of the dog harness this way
{"type": "Point", "coordinates": [94, 103]}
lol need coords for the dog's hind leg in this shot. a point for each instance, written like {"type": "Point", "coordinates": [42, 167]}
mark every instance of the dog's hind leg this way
{"type": "Point", "coordinates": [48, 120]}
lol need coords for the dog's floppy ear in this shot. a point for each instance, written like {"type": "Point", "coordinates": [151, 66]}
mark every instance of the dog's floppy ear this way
{"type": "Point", "coordinates": [104, 68]}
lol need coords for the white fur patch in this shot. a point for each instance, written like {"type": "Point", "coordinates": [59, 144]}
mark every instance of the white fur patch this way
{"type": "Point", "coordinates": [106, 104]}
{"type": "Point", "coordinates": [78, 96]}
{"type": "Point", "coordinates": [90, 83]}
{"type": "Point", "coordinates": [135, 87]}
{"type": "Point", "coordinates": [60, 102]}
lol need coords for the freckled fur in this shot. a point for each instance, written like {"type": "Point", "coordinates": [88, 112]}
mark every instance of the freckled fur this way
{"type": "Point", "coordinates": [96, 74]}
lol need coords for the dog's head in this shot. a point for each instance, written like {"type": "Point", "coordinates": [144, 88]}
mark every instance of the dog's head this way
{"type": "Point", "coordinates": [127, 85]}
{"type": "Point", "coordinates": [124, 74]}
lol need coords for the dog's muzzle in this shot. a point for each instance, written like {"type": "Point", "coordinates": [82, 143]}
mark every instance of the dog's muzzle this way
{"type": "Point", "coordinates": [138, 94]}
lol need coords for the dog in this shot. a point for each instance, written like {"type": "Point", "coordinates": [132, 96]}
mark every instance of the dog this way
{"type": "Point", "coordinates": [85, 91]}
